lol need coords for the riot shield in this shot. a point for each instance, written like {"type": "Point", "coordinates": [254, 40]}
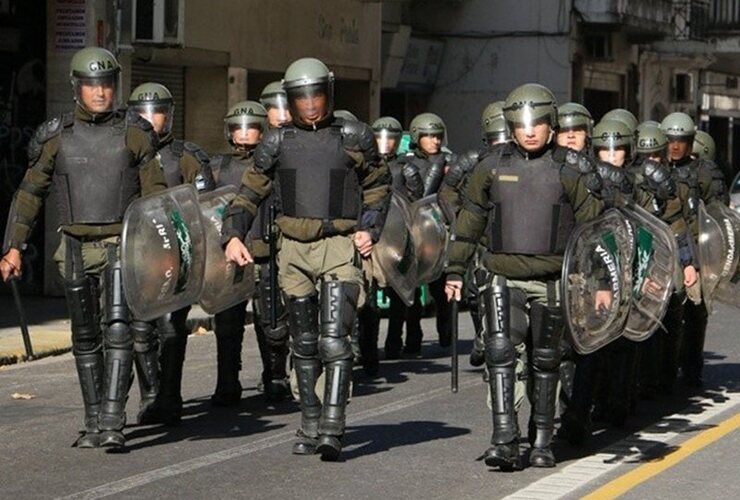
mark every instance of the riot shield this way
{"type": "Point", "coordinates": [654, 270]}
{"type": "Point", "coordinates": [429, 234]}
{"type": "Point", "coordinates": [224, 283]}
{"type": "Point", "coordinates": [728, 288]}
{"type": "Point", "coordinates": [394, 252]}
{"type": "Point", "coordinates": [163, 252]}
{"type": "Point", "coordinates": [712, 254]}
{"type": "Point", "coordinates": [596, 281]}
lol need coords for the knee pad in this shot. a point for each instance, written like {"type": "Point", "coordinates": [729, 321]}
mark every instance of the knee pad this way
{"type": "Point", "coordinates": [306, 344]}
{"type": "Point", "coordinates": [145, 338]}
{"type": "Point", "coordinates": [499, 351]}
{"type": "Point", "coordinates": [118, 335]}
{"type": "Point", "coordinates": [82, 301]}
{"type": "Point", "coordinates": [546, 359]}
{"type": "Point", "coordinates": [303, 316]}
{"type": "Point", "coordinates": [277, 337]}
{"type": "Point", "coordinates": [334, 348]}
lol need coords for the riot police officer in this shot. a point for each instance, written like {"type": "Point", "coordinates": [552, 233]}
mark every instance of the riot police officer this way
{"type": "Point", "coordinates": [624, 116]}
{"type": "Point", "coordinates": [428, 137]}
{"type": "Point", "coordinates": [244, 126]}
{"type": "Point", "coordinates": [182, 162]}
{"type": "Point", "coordinates": [704, 146]}
{"type": "Point", "coordinates": [575, 125]}
{"type": "Point", "coordinates": [706, 182]}
{"type": "Point", "coordinates": [92, 202]}
{"type": "Point", "coordinates": [274, 100]}
{"type": "Point", "coordinates": [334, 194]}
{"type": "Point", "coordinates": [525, 244]}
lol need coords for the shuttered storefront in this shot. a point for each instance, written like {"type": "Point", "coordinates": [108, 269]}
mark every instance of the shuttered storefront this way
{"type": "Point", "coordinates": [172, 77]}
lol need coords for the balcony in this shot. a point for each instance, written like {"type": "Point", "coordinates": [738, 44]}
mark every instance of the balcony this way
{"type": "Point", "coordinates": [724, 18]}
{"type": "Point", "coordinates": [642, 20]}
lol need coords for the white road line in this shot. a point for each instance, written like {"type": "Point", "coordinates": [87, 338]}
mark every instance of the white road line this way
{"type": "Point", "coordinates": [137, 480]}
{"type": "Point", "coordinates": [631, 449]}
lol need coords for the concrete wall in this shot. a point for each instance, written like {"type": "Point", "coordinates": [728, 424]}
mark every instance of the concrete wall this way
{"type": "Point", "coordinates": [490, 48]}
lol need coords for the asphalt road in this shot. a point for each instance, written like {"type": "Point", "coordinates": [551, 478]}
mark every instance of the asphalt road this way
{"type": "Point", "coordinates": [407, 437]}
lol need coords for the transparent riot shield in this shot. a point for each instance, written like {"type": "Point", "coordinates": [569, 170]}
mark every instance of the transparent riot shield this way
{"type": "Point", "coordinates": [712, 254]}
{"type": "Point", "coordinates": [224, 283]}
{"type": "Point", "coordinates": [429, 234]}
{"type": "Point", "coordinates": [728, 288]}
{"type": "Point", "coordinates": [654, 274]}
{"type": "Point", "coordinates": [395, 253]}
{"type": "Point", "coordinates": [163, 252]}
{"type": "Point", "coordinates": [596, 281]}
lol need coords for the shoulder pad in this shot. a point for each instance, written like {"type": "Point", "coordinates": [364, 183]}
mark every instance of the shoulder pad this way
{"type": "Point", "coordinates": [198, 152]}
{"type": "Point", "coordinates": [268, 149]}
{"type": "Point", "coordinates": [44, 132]}
{"type": "Point", "coordinates": [358, 136]}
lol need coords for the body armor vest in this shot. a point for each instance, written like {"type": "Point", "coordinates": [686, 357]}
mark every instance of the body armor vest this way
{"type": "Point", "coordinates": [94, 176]}
{"type": "Point", "coordinates": [687, 175]}
{"type": "Point", "coordinates": [531, 214]}
{"type": "Point", "coordinates": [316, 177]}
{"type": "Point", "coordinates": [169, 157]}
{"type": "Point", "coordinates": [432, 171]}
{"type": "Point", "coordinates": [228, 171]}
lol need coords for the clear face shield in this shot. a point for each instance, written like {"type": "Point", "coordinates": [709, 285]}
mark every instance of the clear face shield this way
{"type": "Point", "coordinates": [612, 150]}
{"type": "Point", "coordinates": [310, 103]}
{"type": "Point", "coordinates": [530, 131]}
{"type": "Point", "coordinates": [243, 131]}
{"type": "Point", "coordinates": [160, 115]}
{"type": "Point", "coordinates": [278, 112]}
{"type": "Point", "coordinates": [387, 141]}
{"type": "Point", "coordinates": [98, 94]}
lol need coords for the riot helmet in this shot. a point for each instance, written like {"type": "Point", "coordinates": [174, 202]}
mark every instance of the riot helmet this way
{"type": "Point", "coordinates": [651, 141]}
{"type": "Point", "coordinates": [275, 101]}
{"type": "Point", "coordinates": [153, 101]}
{"type": "Point", "coordinates": [704, 146]}
{"type": "Point", "coordinates": [609, 138]}
{"type": "Point", "coordinates": [575, 126]}
{"type": "Point", "coordinates": [387, 132]}
{"type": "Point", "coordinates": [241, 122]}
{"type": "Point", "coordinates": [623, 116]}
{"type": "Point", "coordinates": [680, 129]}
{"type": "Point", "coordinates": [346, 115]}
{"type": "Point", "coordinates": [428, 125]}
{"type": "Point", "coordinates": [493, 124]}
{"type": "Point", "coordinates": [526, 107]}
{"type": "Point", "coordinates": [95, 76]}
{"type": "Point", "coordinates": [309, 86]}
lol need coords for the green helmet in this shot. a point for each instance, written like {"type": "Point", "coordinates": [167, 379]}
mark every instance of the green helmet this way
{"type": "Point", "coordinates": [651, 140]}
{"type": "Point", "coordinates": [647, 123]}
{"type": "Point", "coordinates": [427, 124]}
{"type": "Point", "coordinates": [95, 66]}
{"type": "Point", "coordinates": [572, 115]}
{"type": "Point", "coordinates": [243, 115]}
{"type": "Point", "coordinates": [493, 123]}
{"type": "Point", "coordinates": [623, 116]}
{"type": "Point", "coordinates": [275, 101]}
{"type": "Point", "coordinates": [678, 126]}
{"type": "Point", "coordinates": [347, 115]}
{"type": "Point", "coordinates": [529, 104]}
{"type": "Point", "coordinates": [704, 146]}
{"type": "Point", "coordinates": [151, 98]}
{"type": "Point", "coordinates": [612, 134]}
{"type": "Point", "coordinates": [309, 77]}
{"type": "Point", "coordinates": [387, 128]}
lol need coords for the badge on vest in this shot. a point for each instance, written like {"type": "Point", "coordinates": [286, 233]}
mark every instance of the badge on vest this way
{"type": "Point", "coordinates": [508, 178]}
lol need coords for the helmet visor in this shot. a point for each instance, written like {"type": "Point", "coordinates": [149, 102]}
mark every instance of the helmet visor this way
{"type": "Point", "coordinates": [100, 94]}
{"type": "Point", "coordinates": [159, 114]}
{"type": "Point", "coordinates": [310, 103]}
{"type": "Point", "coordinates": [387, 141]}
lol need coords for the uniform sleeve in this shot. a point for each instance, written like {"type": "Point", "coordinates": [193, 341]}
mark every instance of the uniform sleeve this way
{"type": "Point", "coordinates": [142, 142]}
{"type": "Point", "coordinates": [471, 220]}
{"type": "Point", "coordinates": [586, 205]}
{"type": "Point", "coordinates": [256, 186]}
{"type": "Point", "coordinates": [29, 198]}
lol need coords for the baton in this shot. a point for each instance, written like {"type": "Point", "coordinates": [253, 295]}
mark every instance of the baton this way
{"type": "Point", "coordinates": [273, 270]}
{"type": "Point", "coordinates": [453, 326]}
{"type": "Point", "coordinates": [13, 281]}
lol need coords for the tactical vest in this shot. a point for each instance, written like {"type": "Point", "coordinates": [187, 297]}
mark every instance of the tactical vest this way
{"type": "Point", "coordinates": [531, 214]}
{"type": "Point", "coordinates": [169, 157]}
{"type": "Point", "coordinates": [95, 176]}
{"type": "Point", "coordinates": [316, 177]}
{"type": "Point", "coordinates": [228, 171]}
{"type": "Point", "coordinates": [687, 175]}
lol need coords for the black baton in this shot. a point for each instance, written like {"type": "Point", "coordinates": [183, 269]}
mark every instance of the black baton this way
{"type": "Point", "coordinates": [273, 270]}
{"type": "Point", "coordinates": [453, 326]}
{"type": "Point", "coordinates": [13, 281]}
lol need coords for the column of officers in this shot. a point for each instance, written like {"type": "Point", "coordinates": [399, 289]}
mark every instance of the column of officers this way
{"type": "Point", "coordinates": [511, 204]}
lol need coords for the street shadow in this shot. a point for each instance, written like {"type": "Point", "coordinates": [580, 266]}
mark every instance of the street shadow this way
{"type": "Point", "coordinates": [370, 439]}
{"type": "Point", "coordinates": [38, 309]}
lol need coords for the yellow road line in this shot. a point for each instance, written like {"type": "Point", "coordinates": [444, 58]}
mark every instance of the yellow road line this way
{"type": "Point", "coordinates": [626, 482]}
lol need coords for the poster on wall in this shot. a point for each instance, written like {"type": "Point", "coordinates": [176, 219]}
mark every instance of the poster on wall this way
{"type": "Point", "coordinates": [70, 25]}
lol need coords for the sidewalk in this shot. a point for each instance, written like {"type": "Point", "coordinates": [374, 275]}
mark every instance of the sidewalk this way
{"type": "Point", "coordinates": [49, 327]}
